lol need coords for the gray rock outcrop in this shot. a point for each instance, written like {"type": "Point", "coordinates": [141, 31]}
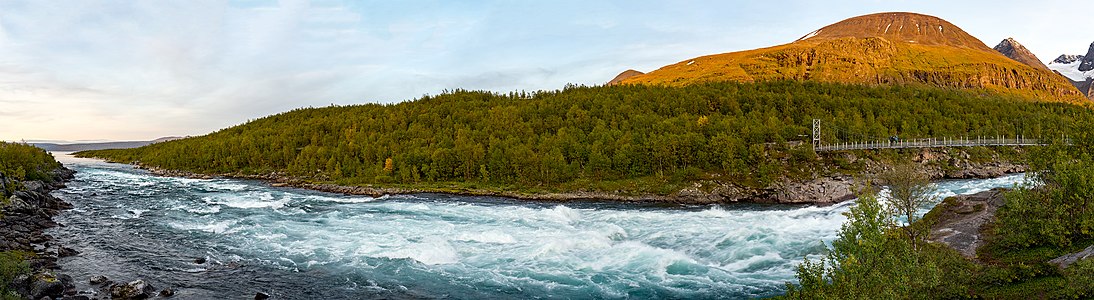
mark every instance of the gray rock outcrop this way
{"type": "Point", "coordinates": [962, 218]}
{"type": "Point", "coordinates": [1067, 260]}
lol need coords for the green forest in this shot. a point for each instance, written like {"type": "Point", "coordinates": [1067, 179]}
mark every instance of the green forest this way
{"type": "Point", "coordinates": [590, 137]}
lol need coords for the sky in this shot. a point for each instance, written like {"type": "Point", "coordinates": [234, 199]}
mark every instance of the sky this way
{"type": "Point", "coordinates": [86, 70]}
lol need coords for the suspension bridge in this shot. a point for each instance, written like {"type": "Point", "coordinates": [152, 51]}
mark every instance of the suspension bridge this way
{"type": "Point", "coordinates": [897, 143]}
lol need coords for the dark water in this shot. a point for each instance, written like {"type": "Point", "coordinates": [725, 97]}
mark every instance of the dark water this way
{"type": "Point", "coordinates": [297, 244]}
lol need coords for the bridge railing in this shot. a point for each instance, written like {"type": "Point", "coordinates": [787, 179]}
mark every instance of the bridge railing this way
{"type": "Point", "coordinates": [930, 143]}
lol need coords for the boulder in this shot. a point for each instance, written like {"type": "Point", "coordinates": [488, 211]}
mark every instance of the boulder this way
{"type": "Point", "coordinates": [137, 289]}
{"type": "Point", "coordinates": [44, 284]}
{"type": "Point", "coordinates": [66, 252]}
{"type": "Point", "coordinates": [99, 279]}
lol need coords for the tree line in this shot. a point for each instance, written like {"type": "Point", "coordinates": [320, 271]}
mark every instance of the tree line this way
{"type": "Point", "coordinates": [19, 162]}
{"type": "Point", "coordinates": [751, 132]}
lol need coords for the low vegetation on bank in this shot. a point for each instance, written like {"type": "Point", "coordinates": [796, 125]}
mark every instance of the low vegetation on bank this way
{"type": "Point", "coordinates": [620, 139]}
{"type": "Point", "coordinates": [875, 258]}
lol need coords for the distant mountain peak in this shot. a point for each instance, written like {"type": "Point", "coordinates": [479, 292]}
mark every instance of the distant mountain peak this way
{"type": "Point", "coordinates": [1067, 58]}
{"type": "Point", "coordinates": [1014, 50]}
{"type": "Point", "coordinates": [1077, 68]}
{"type": "Point", "coordinates": [1088, 60]}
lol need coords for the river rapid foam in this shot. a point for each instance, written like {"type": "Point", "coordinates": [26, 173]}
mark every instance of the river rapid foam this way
{"type": "Point", "coordinates": [298, 244]}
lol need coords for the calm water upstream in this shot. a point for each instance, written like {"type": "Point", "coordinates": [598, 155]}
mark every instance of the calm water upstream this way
{"type": "Point", "coordinates": [298, 244]}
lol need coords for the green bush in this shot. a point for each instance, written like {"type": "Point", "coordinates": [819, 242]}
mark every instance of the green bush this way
{"type": "Point", "coordinates": [872, 260]}
{"type": "Point", "coordinates": [12, 264]}
{"type": "Point", "coordinates": [1058, 211]}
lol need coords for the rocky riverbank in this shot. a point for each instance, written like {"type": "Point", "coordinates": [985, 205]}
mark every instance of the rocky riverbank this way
{"type": "Point", "coordinates": [26, 211]}
{"type": "Point", "coordinates": [831, 187]}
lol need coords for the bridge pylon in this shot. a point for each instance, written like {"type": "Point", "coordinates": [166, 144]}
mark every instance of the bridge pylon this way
{"type": "Point", "coordinates": [816, 134]}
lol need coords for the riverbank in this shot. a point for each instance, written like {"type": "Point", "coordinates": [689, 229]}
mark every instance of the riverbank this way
{"type": "Point", "coordinates": [833, 186]}
{"type": "Point", "coordinates": [27, 210]}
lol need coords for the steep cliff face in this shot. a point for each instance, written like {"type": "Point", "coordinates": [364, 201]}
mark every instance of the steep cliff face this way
{"type": "Point", "coordinates": [1014, 50]}
{"type": "Point", "coordinates": [884, 48]}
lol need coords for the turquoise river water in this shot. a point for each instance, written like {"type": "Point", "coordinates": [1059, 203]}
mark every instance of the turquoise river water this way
{"type": "Point", "coordinates": [299, 244]}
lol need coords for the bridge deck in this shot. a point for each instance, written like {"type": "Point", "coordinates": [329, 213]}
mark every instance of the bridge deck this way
{"type": "Point", "coordinates": [930, 143]}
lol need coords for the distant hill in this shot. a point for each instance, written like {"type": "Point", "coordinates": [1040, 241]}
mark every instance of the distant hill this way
{"type": "Point", "coordinates": [1014, 50]}
{"type": "Point", "coordinates": [59, 147]}
{"type": "Point", "coordinates": [623, 76]}
{"type": "Point", "coordinates": [884, 48]}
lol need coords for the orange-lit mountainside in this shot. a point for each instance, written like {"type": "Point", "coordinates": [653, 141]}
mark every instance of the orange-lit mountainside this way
{"type": "Point", "coordinates": [883, 48]}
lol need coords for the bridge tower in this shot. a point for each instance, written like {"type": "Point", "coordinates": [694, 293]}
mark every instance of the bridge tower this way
{"type": "Point", "coordinates": [816, 134]}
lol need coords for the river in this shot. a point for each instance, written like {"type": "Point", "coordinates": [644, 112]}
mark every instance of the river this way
{"type": "Point", "coordinates": [299, 244]}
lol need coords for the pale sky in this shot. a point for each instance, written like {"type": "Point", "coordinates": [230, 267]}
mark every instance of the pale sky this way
{"type": "Point", "coordinates": [139, 70]}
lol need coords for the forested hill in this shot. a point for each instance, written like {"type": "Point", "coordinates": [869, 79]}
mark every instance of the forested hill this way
{"type": "Point", "coordinates": [591, 134]}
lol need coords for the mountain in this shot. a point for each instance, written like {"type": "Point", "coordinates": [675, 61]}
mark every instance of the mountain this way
{"type": "Point", "coordinates": [67, 147]}
{"type": "Point", "coordinates": [623, 76]}
{"type": "Point", "coordinates": [1014, 50]}
{"type": "Point", "coordinates": [1079, 69]}
{"type": "Point", "coordinates": [884, 48]}
{"type": "Point", "coordinates": [1087, 63]}
{"type": "Point", "coordinates": [1067, 59]}
{"type": "Point", "coordinates": [1075, 67]}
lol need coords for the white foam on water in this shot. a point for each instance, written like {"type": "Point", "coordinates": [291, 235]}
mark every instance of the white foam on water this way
{"type": "Point", "coordinates": [216, 227]}
{"type": "Point", "coordinates": [203, 209]}
{"type": "Point", "coordinates": [356, 199]}
{"type": "Point", "coordinates": [495, 237]}
{"type": "Point", "coordinates": [137, 212]}
{"type": "Point", "coordinates": [431, 252]}
{"type": "Point", "coordinates": [251, 199]}
{"type": "Point", "coordinates": [564, 214]}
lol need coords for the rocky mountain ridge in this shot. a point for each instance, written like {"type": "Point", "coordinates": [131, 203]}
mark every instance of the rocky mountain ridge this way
{"type": "Point", "coordinates": [1014, 50]}
{"type": "Point", "coordinates": [1067, 58]}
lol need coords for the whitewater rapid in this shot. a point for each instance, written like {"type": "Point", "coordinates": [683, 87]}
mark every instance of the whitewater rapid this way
{"type": "Point", "coordinates": [298, 244]}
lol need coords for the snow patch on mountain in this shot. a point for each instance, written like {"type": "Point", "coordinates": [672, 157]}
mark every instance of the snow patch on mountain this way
{"type": "Point", "coordinates": [1071, 69]}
